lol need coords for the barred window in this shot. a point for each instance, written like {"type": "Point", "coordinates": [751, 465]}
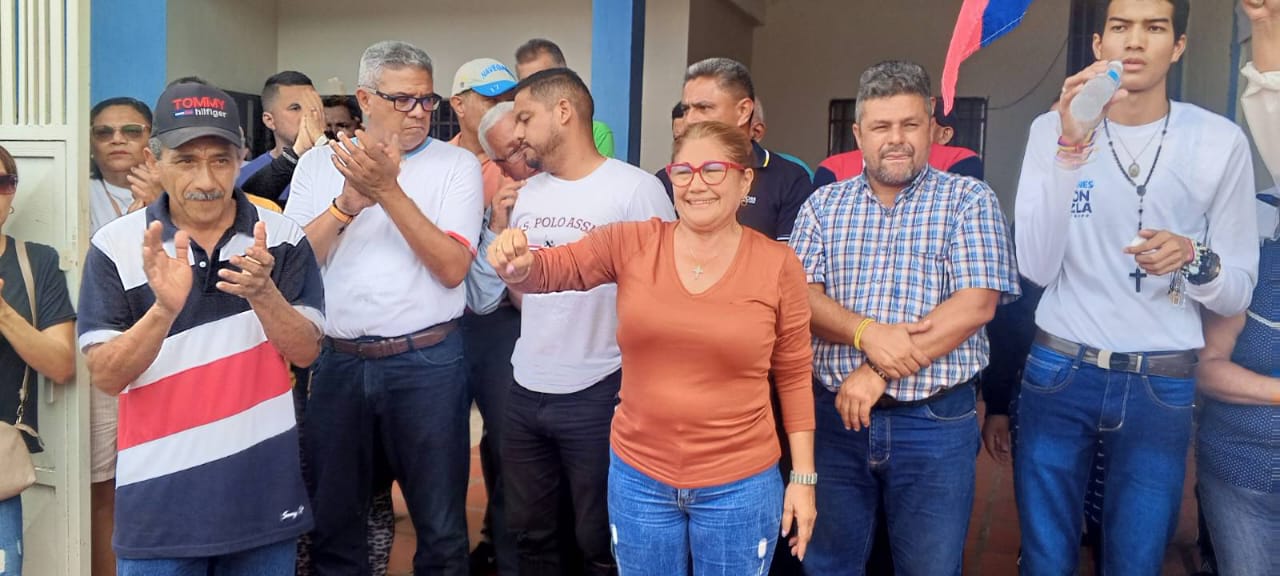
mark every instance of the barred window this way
{"type": "Point", "coordinates": [970, 125]}
{"type": "Point", "coordinates": [444, 124]}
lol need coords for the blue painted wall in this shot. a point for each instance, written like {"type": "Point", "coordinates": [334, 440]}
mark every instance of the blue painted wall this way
{"type": "Point", "coordinates": [127, 49]}
{"type": "Point", "coordinates": [617, 71]}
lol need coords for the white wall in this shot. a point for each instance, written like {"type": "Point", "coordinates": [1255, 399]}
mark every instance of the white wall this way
{"type": "Point", "coordinates": [719, 28]}
{"type": "Point", "coordinates": [231, 43]}
{"type": "Point", "coordinates": [666, 55]}
{"type": "Point", "coordinates": [811, 51]}
{"type": "Point", "coordinates": [325, 38]}
{"type": "Point", "coordinates": [1207, 62]}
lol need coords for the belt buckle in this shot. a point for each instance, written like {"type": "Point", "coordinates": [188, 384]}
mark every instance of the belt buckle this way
{"type": "Point", "coordinates": [1103, 360]}
{"type": "Point", "coordinates": [1117, 362]}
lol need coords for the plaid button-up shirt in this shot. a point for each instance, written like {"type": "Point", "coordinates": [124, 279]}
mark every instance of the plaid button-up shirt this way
{"type": "Point", "coordinates": [944, 233]}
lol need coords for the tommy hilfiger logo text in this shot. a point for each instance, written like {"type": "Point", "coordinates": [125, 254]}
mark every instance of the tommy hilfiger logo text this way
{"type": "Point", "coordinates": [203, 106]}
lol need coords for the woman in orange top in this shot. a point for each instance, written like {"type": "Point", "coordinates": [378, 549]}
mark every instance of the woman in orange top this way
{"type": "Point", "coordinates": [707, 309]}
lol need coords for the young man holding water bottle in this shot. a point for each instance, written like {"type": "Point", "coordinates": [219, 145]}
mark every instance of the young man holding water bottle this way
{"type": "Point", "coordinates": [1133, 216]}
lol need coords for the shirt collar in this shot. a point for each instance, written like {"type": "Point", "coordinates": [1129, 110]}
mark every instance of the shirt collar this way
{"type": "Point", "coordinates": [411, 153]}
{"type": "Point", "coordinates": [762, 156]}
{"type": "Point", "coordinates": [923, 178]}
{"type": "Point", "coordinates": [246, 215]}
{"type": "Point", "coordinates": [481, 156]}
{"type": "Point", "coordinates": [415, 151]}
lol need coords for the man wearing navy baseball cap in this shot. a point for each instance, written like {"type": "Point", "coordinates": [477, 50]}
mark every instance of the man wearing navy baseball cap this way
{"type": "Point", "coordinates": [191, 312]}
{"type": "Point", "coordinates": [191, 110]}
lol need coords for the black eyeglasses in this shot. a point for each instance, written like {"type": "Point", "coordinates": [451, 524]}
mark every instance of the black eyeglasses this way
{"type": "Point", "coordinates": [406, 103]}
{"type": "Point", "coordinates": [8, 184]}
{"type": "Point", "coordinates": [104, 132]}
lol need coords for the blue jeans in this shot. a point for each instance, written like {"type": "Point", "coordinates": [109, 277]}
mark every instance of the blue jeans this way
{"type": "Point", "coordinates": [11, 536]}
{"type": "Point", "coordinates": [919, 462]}
{"type": "Point", "coordinates": [271, 560]}
{"type": "Point", "coordinates": [1144, 423]}
{"type": "Point", "coordinates": [404, 416]}
{"type": "Point", "coordinates": [1243, 525]}
{"type": "Point", "coordinates": [728, 529]}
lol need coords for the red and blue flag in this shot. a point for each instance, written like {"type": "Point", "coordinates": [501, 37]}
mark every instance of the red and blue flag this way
{"type": "Point", "coordinates": [980, 23]}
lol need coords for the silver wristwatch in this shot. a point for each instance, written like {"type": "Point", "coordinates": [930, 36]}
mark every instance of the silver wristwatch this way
{"type": "Point", "coordinates": [810, 479]}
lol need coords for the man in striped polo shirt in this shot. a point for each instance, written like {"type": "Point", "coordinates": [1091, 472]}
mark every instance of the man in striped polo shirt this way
{"type": "Point", "coordinates": [192, 311]}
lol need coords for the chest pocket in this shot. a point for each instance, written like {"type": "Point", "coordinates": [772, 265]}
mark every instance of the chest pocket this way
{"type": "Point", "coordinates": [921, 256]}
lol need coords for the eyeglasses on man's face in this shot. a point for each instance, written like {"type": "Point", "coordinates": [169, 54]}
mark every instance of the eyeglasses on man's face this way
{"type": "Point", "coordinates": [406, 103]}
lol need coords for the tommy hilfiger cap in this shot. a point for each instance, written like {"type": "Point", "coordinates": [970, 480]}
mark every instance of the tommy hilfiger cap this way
{"type": "Point", "coordinates": [188, 111]}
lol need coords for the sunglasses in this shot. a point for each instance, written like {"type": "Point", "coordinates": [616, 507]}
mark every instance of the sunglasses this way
{"type": "Point", "coordinates": [8, 184]}
{"type": "Point", "coordinates": [405, 103]}
{"type": "Point", "coordinates": [712, 172]}
{"type": "Point", "coordinates": [104, 132]}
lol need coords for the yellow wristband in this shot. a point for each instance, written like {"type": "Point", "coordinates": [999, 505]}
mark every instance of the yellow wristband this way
{"type": "Point", "coordinates": [862, 327]}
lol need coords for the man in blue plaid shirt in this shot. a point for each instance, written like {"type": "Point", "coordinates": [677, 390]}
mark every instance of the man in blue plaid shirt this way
{"type": "Point", "coordinates": [905, 265]}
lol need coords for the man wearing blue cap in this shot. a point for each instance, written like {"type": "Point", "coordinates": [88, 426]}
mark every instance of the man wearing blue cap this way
{"type": "Point", "coordinates": [477, 86]}
{"type": "Point", "coordinates": [489, 335]}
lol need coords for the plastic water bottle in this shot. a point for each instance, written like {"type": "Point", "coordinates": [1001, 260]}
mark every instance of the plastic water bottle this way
{"type": "Point", "coordinates": [1087, 105]}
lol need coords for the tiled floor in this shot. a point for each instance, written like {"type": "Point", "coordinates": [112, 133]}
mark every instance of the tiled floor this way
{"type": "Point", "coordinates": [991, 549]}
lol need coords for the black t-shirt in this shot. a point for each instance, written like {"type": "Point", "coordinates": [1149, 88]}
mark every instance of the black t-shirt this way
{"type": "Point", "coordinates": [55, 308]}
{"type": "Point", "coordinates": [780, 188]}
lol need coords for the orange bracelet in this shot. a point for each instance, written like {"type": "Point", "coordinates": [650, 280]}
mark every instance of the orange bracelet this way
{"type": "Point", "coordinates": [337, 212]}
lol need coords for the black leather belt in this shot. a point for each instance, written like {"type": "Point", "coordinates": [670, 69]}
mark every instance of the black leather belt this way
{"type": "Point", "coordinates": [886, 401]}
{"type": "Point", "coordinates": [384, 347]}
{"type": "Point", "coordinates": [1181, 364]}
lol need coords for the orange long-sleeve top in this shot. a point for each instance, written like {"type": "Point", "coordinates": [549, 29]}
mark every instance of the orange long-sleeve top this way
{"type": "Point", "coordinates": [695, 409]}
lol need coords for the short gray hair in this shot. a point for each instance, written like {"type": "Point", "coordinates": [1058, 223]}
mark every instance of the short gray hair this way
{"type": "Point", "coordinates": [158, 149]}
{"type": "Point", "coordinates": [892, 78]}
{"type": "Point", "coordinates": [730, 74]}
{"type": "Point", "coordinates": [491, 119]}
{"type": "Point", "coordinates": [390, 54]}
{"type": "Point", "coordinates": [757, 115]}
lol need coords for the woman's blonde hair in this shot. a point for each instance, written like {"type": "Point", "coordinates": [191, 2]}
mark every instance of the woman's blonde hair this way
{"type": "Point", "coordinates": [733, 140]}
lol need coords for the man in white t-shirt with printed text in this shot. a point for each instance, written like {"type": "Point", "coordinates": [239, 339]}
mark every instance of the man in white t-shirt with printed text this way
{"type": "Point", "coordinates": [566, 363]}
